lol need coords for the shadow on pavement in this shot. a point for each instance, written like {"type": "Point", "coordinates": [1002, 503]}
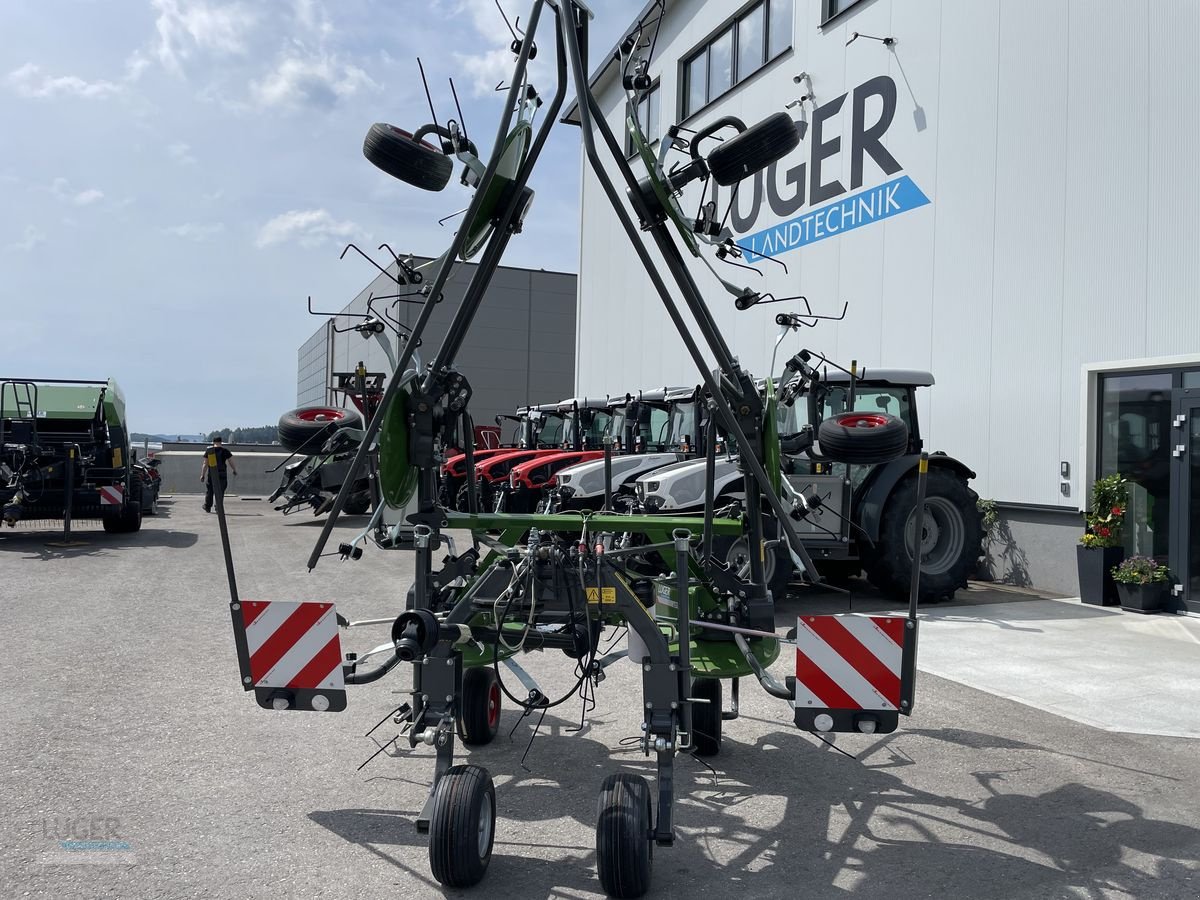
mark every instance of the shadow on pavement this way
{"type": "Point", "coordinates": [41, 545]}
{"type": "Point", "coordinates": [848, 826]}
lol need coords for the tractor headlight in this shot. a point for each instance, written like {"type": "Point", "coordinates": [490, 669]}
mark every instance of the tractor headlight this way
{"type": "Point", "coordinates": [653, 504]}
{"type": "Point", "coordinates": [651, 487]}
{"type": "Point", "coordinates": [566, 493]}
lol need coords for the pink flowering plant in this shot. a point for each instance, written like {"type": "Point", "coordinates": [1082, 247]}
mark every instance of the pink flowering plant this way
{"type": "Point", "coordinates": [1110, 496]}
{"type": "Point", "coordinates": [1139, 570]}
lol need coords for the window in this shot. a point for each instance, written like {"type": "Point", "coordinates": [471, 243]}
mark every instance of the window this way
{"type": "Point", "coordinates": [831, 8]}
{"type": "Point", "coordinates": [648, 119]}
{"type": "Point", "coordinates": [736, 52]}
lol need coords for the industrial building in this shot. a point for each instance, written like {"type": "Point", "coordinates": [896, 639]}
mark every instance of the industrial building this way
{"type": "Point", "coordinates": [521, 349]}
{"type": "Point", "coordinates": [1003, 195]}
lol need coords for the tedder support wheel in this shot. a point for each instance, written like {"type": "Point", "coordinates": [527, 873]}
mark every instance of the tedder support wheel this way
{"type": "Point", "coordinates": [624, 844]}
{"type": "Point", "coordinates": [754, 149]}
{"type": "Point", "coordinates": [949, 537]}
{"type": "Point", "coordinates": [358, 504]}
{"type": "Point", "coordinates": [462, 826]}
{"type": "Point", "coordinates": [479, 718]}
{"type": "Point", "coordinates": [307, 428]}
{"type": "Point", "coordinates": [864, 438]}
{"type": "Point", "coordinates": [706, 717]}
{"type": "Point", "coordinates": [414, 162]}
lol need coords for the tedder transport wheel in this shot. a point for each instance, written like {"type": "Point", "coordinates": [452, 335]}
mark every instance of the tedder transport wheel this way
{"type": "Point", "coordinates": [754, 149]}
{"type": "Point", "coordinates": [358, 504]}
{"type": "Point", "coordinates": [462, 826]}
{"type": "Point", "coordinates": [624, 848]}
{"type": "Point", "coordinates": [414, 162]}
{"type": "Point", "coordinates": [479, 718]}
{"type": "Point", "coordinates": [308, 427]}
{"type": "Point", "coordinates": [706, 717]}
{"type": "Point", "coordinates": [949, 538]}
{"type": "Point", "coordinates": [864, 438]}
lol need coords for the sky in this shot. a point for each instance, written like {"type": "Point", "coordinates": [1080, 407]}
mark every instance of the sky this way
{"type": "Point", "coordinates": [178, 176]}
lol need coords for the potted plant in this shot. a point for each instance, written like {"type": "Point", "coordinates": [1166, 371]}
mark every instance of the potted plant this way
{"type": "Point", "coordinates": [1100, 548]}
{"type": "Point", "coordinates": [1141, 584]}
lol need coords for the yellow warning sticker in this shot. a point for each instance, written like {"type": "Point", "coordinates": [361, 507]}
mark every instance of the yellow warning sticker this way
{"type": "Point", "coordinates": [116, 457]}
{"type": "Point", "coordinates": [601, 595]}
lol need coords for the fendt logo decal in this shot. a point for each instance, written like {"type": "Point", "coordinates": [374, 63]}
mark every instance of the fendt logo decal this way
{"type": "Point", "coordinates": [807, 183]}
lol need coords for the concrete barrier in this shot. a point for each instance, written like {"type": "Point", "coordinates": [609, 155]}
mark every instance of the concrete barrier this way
{"type": "Point", "coordinates": [180, 469]}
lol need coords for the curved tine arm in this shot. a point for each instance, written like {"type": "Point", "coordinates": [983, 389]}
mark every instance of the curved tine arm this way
{"type": "Point", "coordinates": [331, 315]}
{"type": "Point", "coordinates": [355, 248]}
{"type": "Point", "coordinates": [762, 255]}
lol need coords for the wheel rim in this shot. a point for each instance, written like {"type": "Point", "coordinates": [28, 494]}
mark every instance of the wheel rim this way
{"type": "Point", "coordinates": [485, 824]}
{"type": "Point", "coordinates": [862, 420]}
{"type": "Point", "coordinates": [321, 414]}
{"type": "Point", "coordinates": [738, 559]}
{"type": "Point", "coordinates": [493, 711]}
{"type": "Point", "coordinates": [942, 535]}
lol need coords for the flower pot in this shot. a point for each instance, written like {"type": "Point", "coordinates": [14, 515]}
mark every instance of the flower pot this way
{"type": "Point", "coordinates": [1096, 585]}
{"type": "Point", "coordinates": [1142, 598]}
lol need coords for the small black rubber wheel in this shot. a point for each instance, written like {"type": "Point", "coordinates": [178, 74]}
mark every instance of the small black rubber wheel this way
{"type": "Point", "coordinates": [777, 567]}
{"type": "Point", "coordinates": [706, 717]}
{"type": "Point", "coordinates": [949, 538]}
{"type": "Point", "coordinates": [624, 845]}
{"type": "Point", "coordinates": [358, 504]}
{"type": "Point", "coordinates": [479, 718]}
{"type": "Point", "coordinates": [754, 149]}
{"type": "Point", "coordinates": [863, 438]}
{"type": "Point", "coordinates": [307, 428]}
{"type": "Point", "coordinates": [414, 162]}
{"type": "Point", "coordinates": [462, 826]}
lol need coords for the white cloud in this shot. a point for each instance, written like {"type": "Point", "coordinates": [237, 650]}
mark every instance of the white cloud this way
{"type": "Point", "coordinates": [309, 228]}
{"type": "Point", "coordinates": [302, 79]}
{"type": "Point", "coordinates": [184, 26]}
{"type": "Point", "coordinates": [61, 189]}
{"type": "Point", "coordinates": [181, 153]}
{"type": "Point", "coordinates": [30, 81]}
{"type": "Point", "coordinates": [33, 237]}
{"type": "Point", "coordinates": [196, 231]}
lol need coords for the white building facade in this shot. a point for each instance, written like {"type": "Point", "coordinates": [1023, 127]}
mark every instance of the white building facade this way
{"type": "Point", "coordinates": [1000, 191]}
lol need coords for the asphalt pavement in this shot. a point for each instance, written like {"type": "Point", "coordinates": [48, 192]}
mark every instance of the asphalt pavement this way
{"type": "Point", "coordinates": [134, 766]}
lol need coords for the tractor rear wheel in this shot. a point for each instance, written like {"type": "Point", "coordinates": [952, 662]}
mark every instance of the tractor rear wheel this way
{"type": "Point", "coordinates": [949, 538]}
{"type": "Point", "coordinates": [624, 845]}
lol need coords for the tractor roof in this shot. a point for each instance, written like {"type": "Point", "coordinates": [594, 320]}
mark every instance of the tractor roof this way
{"type": "Point", "coordinates": [659, 395]}
{"type": "Point", "coordinates": [898, 377]}
{"type": "Point", "coordinates": [584, 403]}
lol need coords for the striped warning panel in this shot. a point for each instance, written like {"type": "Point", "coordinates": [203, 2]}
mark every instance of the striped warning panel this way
{"type": "Point", "coordinates": [293, 646]}
{"type": "Point", "coordinates": [849, 662]}
{"type": "Point", "coordinates": [112, 495]}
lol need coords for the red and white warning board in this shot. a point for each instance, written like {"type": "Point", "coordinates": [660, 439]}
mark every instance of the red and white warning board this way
{"type": "Point", "coordinates": [849, 662]}
{"type": "Point", "coordinates": [292, 654]}
{"type": "Point", "coordinates": [112, 495]}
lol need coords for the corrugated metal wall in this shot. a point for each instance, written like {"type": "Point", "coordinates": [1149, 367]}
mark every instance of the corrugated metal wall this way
{"type": "Point", "coordinates": [1054, 141]}
{"type": "Point", "coordinates": [520, 348]}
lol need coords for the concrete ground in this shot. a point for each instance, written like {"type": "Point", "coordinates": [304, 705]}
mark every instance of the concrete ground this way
{"type": "Point", "coordinates": [123, 723]}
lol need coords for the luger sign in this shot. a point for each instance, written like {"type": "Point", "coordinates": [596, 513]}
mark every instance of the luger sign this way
{"type": "Point", "coordinates": [832, 207]}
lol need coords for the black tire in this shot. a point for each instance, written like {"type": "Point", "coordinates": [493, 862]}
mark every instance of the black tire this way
{"type": "Point", "coordinates": [128, 521]}
{"type": "Point", "coordinates": [863, 438]}
{"type": "Point", "coordinates": [624, 847]}
{"type": "Point", "coordinates": [838, 570]}
{"type": "Point", "coordinates": [414, 162]}
{"type": "Point", "coordinates": [307, 428]}
{"type": "Point", "coordinates": [706, 717]}
{"type": "Point", "coordinates": [754, 149]}
{"type": "Point", "coordinates": [778, 565]}
{"type": "Point", "coordinates": [483, 495]}
{"type": "Point", "coordinates": [462, 826]}
{"type": "Point", "coordinates": [358, 504]}
{"type": "Point", "coordinates": [479, 718]}
{"type": "Point", "coordinates": [951, 538]}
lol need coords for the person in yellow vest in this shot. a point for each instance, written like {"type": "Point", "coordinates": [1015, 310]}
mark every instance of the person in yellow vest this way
{"type": "Point", "coordinates": [224, 458]}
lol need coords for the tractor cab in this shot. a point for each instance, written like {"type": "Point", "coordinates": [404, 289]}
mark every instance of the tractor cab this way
{"type": "Point", "coordinates": [585, 422]}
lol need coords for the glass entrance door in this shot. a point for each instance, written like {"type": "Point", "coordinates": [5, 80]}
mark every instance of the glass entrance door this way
{"type": "Point", "coordinates": [1185, 484]}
